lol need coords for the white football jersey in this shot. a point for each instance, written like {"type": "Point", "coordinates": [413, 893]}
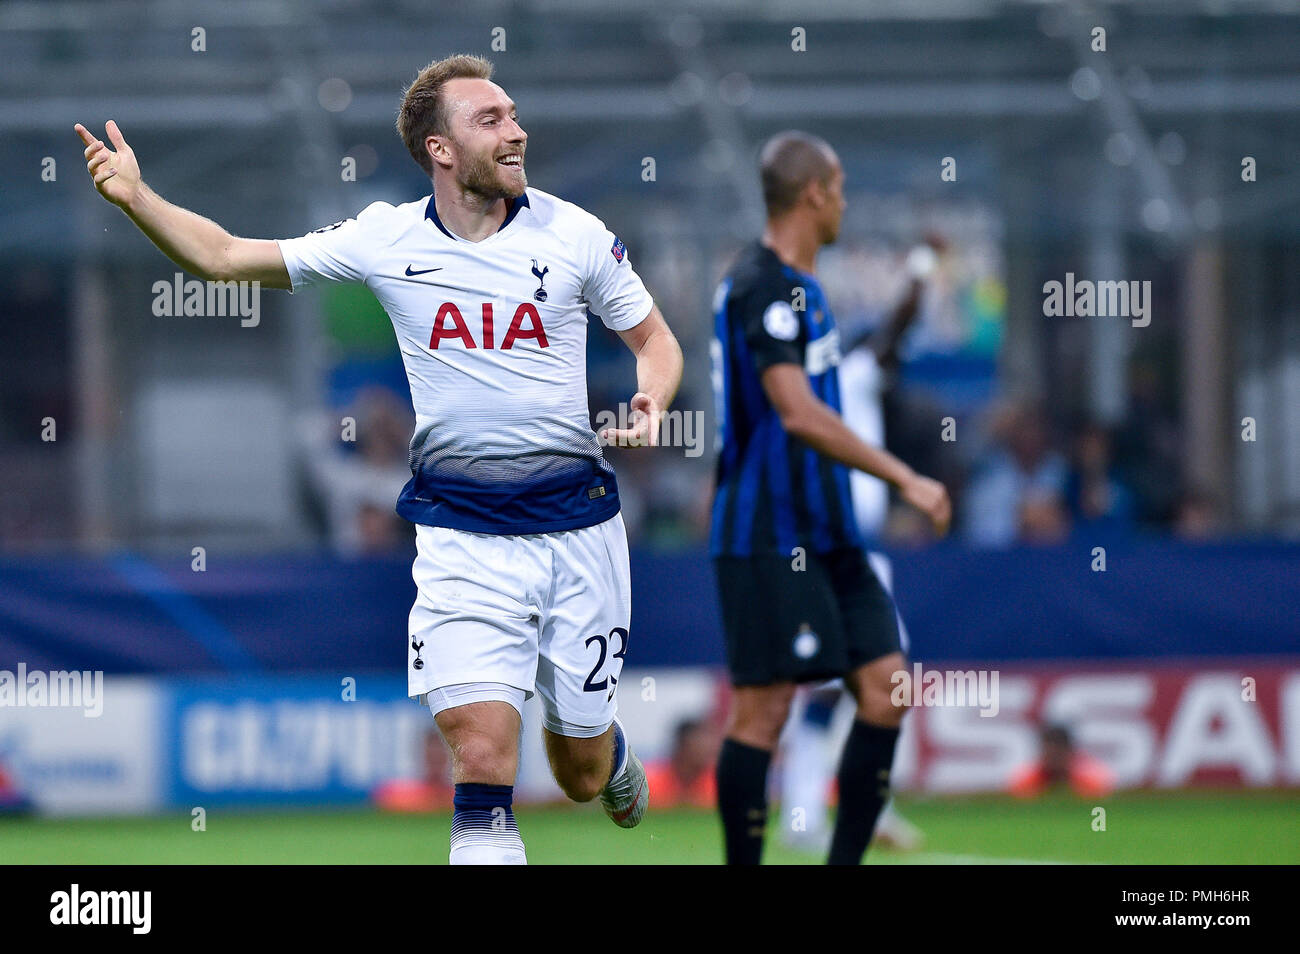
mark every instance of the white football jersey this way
{"type": "Point", "coordinates": [861, 395]}
{"type": "Point", "coordinates": [493, 336]}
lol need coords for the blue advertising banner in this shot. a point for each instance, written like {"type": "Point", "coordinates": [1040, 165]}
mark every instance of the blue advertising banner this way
{"type": "Point", "coordinates": [289, 739]}
{"type": "Point", "coordinates": [319, 614]}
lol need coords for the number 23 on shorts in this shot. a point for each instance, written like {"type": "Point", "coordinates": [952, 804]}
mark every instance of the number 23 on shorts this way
{"type": "Point", "coordinates": [611, 681]}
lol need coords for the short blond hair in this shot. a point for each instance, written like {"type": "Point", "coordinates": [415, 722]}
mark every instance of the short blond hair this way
{"type": "Point", "coordinates": [424, 111]}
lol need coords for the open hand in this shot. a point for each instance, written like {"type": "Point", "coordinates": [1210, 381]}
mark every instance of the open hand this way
{"type": "Point", "coordinates": [116, 175]}
{"type": "Point", "coordinates": [644, 431]}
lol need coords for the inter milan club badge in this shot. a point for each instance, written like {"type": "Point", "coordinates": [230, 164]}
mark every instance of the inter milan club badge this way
{"type": "Point", "coordinates": [540, 294]}
{"type": "Point", "coordinates": [806, 643]}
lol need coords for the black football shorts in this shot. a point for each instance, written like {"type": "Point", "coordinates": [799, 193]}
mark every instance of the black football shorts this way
{"type": "Point", "coordinates": [786, 623]}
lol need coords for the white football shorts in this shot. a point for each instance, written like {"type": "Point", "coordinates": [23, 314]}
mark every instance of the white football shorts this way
{"type": "Point", "coordinates": [540, 612]}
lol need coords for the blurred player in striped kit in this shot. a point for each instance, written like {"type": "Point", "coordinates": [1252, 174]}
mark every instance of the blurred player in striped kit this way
{"type": "Point", "coordinates": [800, 604]}
{"type": "Point", "coordinates": [868, 371]}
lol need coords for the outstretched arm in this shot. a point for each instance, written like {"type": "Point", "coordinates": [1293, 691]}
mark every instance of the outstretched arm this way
{"type": "Point", "coordinates": [198, 245]}
{"type": "Point", "coordinates": [808, 418]}
{"type": "Point", "coordinates": [921, 262]}
{"type": "Point", "coordinates": [658, 373]}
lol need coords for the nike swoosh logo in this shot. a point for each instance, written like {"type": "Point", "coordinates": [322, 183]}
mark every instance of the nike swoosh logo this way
{"type": "Point", "coordinates": [623, 815]}
{"type": "Point", "coordinates": [424, 271]}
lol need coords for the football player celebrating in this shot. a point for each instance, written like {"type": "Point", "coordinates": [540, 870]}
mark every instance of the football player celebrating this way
{"type": "Point", "coordinates": [522, 562]}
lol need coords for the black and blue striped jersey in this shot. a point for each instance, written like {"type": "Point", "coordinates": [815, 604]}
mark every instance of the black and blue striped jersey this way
{"type": "Point", "coordinates": [774, 493]}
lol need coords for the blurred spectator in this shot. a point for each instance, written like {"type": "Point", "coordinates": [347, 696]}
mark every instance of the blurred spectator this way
{"type": "Point", "coordinates": [12, 799]}
{"type": "Point", "coordinates": [687, 777]}
{"type": "Point", "coordinates": [906, 527]}
{"type": "Point", "coordinates": [633, 469]}
{"type": "Point", "coordinates": [1197, 517]}
{"type": "Point", "coordinates": [675, 495]}
{"type": "Point", "coordinates": [432, 793]}
{"type": "Point", "coordinates": [1042, 519]}
{"type": "Point", "coordinates": [359, 469]}
{"type": "Point", "coordinates": [1097, 498]}
{"type": "Point", "coordinates": [1060, 763]}
{"type": "Point", "coordinates": [1018, 491]}
{"type": "Point", "coordinates": [1148, 445]}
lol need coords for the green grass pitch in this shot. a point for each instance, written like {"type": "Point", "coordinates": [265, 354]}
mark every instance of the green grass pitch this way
{"type": "Point", "coordinates": [1141, 828]}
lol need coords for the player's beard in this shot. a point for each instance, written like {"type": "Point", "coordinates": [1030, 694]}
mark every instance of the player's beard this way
{"type": "Point", "coordinates": [486, 177]}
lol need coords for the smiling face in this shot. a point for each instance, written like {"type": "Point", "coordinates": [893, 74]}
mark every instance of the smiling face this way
{"type": "Point", "coordinates": [484, 146]}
